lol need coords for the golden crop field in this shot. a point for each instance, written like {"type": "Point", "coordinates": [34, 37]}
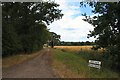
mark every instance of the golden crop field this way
{"type": "Point", "coordinates": [74, 48]}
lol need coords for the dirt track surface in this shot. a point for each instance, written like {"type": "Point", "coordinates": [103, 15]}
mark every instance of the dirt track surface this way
{"type": "Point", "coordinates": [39, 67]}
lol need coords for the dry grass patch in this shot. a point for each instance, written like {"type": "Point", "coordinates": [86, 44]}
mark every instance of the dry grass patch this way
{"type": "Point", "coordinates": [17, 59]}
{"type": "Point", "coordinates": [77, 49]}
{"type": "Point", "coordinates": [62, 70]}
{"type": "Point", "coordinates": [74, 48]}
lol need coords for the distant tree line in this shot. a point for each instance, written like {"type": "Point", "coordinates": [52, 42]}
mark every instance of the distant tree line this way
{"type": "Point", "coordinates": [62, 43]}
{"type": "Point", "coordinates": [55, 42]}
{"type": "Point", "coordinates": [24, 25]}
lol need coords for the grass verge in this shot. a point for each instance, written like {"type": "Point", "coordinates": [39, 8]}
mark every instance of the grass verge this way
{"type": "Point", "coordinates": [69, 65]}
{"type": "Point", "coordinates": [17, 59]}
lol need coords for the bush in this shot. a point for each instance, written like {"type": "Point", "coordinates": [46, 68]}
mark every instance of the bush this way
{"type": "Point", "coordinates": [109, 57]}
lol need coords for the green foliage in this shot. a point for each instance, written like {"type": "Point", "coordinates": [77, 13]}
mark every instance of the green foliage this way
{"type": "Point", "coordinates": [24, 28]}
{"type": "Point", "coordinates": [78, 64]}
{"type": "Point", "coordinates": [54, 39]}
{"type": "Point", "coordinates": [62, 43]}
{"type": "Point", "coordinates": [106, 29]}
{"type": "Point", "coordinates": [10, 41]}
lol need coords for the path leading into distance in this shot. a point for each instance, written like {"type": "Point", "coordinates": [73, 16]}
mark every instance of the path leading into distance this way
{"type": "Point", "coordinates": [38, 67]}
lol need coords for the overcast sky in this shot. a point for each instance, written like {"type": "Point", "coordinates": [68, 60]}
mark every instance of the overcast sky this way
{"type": "Point", "coordinates": [71, 27]}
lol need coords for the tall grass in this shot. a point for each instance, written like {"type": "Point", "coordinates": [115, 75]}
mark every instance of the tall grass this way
{"type": "Point", "coordinates": [84, 51]}
{"type": "Point", "coordinates": [76, 65]}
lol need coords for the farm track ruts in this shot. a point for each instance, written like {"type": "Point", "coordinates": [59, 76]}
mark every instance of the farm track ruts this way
{"type": "Point", "coordinates": [38, 67]}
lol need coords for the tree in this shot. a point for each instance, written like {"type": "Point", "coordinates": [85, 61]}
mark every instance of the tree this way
{"type": "Point", "coordinates": [54, 39]}
{"type": "Point", "coordinates": [106, 29]}
{"type": "Point", "coordinates": [25, 25]}
{"type": "Point", "coordinates": [87, 43]}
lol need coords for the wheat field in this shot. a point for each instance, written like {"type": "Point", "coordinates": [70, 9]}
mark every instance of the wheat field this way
{"type": "Point", "coordinates": [74, 48]}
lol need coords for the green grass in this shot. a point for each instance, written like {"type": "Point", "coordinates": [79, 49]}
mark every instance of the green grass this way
{"type": "Point", "coordinates": [78, 65]}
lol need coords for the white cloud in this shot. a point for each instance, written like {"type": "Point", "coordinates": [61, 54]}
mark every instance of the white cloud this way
{"type": "Point", "coordinates": [71, 29]}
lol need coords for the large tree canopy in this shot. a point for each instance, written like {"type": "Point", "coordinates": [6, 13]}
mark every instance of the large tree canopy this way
{"type": "Point", "coordinates": [106, 29]}
{"type": "Point", "coordinates": [54, 39]}
{"type": "Point", "coordinates": [25, 25]}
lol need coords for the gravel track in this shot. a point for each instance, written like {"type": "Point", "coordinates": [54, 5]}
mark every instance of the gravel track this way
{"type": "Point", "coordinates": [38, 67]}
